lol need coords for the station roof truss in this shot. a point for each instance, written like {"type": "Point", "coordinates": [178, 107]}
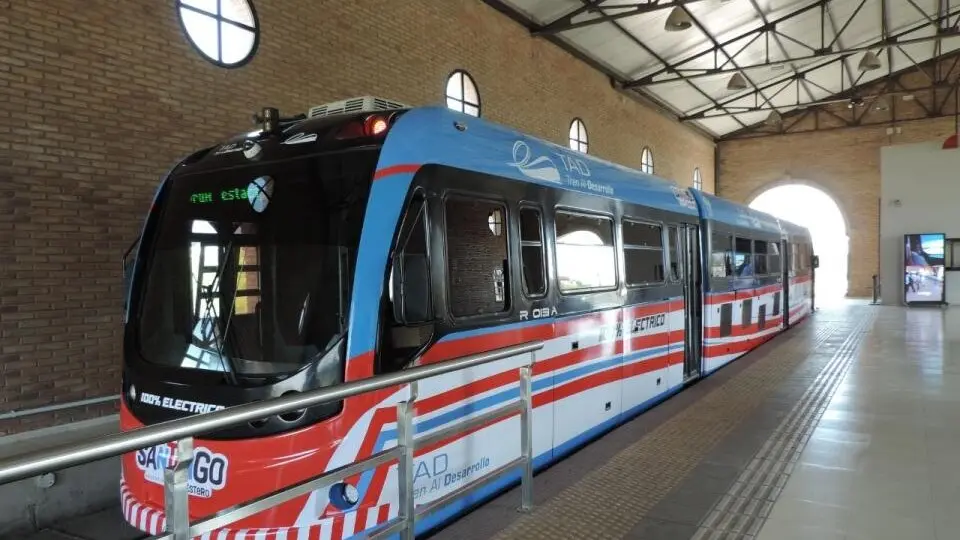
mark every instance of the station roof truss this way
{"type": "Point", "coordinates": [749, 68]}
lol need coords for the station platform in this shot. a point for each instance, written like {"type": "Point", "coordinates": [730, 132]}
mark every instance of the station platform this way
{"type": "Point", "coordinates": [845, 427]}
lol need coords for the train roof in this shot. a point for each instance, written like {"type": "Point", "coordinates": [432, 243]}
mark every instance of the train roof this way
{"type": "Point", "coordinates": [438, 135]}
{"type": "Point", "coordinates": [792, 229]}
{"type": "Point", "coordinates": [714, 208]}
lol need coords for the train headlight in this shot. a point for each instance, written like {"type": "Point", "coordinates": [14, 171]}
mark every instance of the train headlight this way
{"type": "Point", "coordinates": [344, 495]}
{"type": "Point", "coordinates": [132, 393]}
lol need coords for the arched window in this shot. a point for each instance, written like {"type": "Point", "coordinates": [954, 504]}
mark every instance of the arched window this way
{"type": "Point", "coordinates": [578, 136]}
{"type": "Point", "coordinates": [646, 160]}
{"type": "Point", "coordinates": [462, 93]}
{"type": "Point", "coordinates": [697, 179]}
{"type": "Point", "coordinates": [225, 32]}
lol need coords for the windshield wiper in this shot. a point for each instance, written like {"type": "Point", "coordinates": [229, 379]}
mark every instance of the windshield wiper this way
{"type": "Point", "coordinates": [229, 372]}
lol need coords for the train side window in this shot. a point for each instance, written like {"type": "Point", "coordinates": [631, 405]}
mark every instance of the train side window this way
{"type": "Point", "coordinates": [476, 257]}
{"type": "Point", "coordinates": [721, 262]}
{"type": "Point", "coordinates": [531, 252]}
{"type": "Point", "coordinates": [760, 257]}
{"type": "Point", "coordinates": [773, 252]}
{"type": "Point", "coordinates": [743, 257]}
{"type": "Point", "coordinates": [793, 257]}
{"type": "Point", "coordinates": [585, 253]}
{"type": "Point", "coordinates": [642, 253]}
{"type": "Point", "coordinates": [674, 253]}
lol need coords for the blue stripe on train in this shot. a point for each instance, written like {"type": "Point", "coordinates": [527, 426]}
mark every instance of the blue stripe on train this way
{"type": "Point", "coordinates": [460, 506]}
{"type": "Point", "coordinates": [494, 400]}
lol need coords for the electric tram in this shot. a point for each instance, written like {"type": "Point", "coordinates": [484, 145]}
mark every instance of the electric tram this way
{"type": "Point", "coordinates": [367, 236]}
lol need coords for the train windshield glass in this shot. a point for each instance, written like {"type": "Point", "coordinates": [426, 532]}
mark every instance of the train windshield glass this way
{"type": "Point", "coordinates": [250, 269]}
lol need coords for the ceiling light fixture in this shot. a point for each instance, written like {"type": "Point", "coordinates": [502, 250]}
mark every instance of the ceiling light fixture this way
{"type": "Point", "coordinates": [869, 62]}
{"type": "Point", "coordinates": [737, 82]}
{"type": "Point", "coordinates": [678, 20]}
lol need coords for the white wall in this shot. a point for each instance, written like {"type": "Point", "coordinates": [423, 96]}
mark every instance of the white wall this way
{"type": "Point", "coordinates": [926, 180]}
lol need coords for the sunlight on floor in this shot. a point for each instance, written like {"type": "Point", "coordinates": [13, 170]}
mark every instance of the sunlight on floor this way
{"type": "Point", "coordinates": [817, 211]}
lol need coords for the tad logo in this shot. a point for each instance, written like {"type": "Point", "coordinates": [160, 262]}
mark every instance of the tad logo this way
{"type": "Point", "coordinates": [208, 470]}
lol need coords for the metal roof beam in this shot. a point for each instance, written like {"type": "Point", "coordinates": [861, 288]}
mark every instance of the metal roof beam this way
{"type": "Point", "coordinates": [804, 71]}
{"type": "Point", "coordinates": [672, 67]}
{"type": "Point", "coordinates": [879, 45]}
{"type": "Point", "coordinates": [891, 42]}
{"type": "Point", "coordinates": [565, 22]}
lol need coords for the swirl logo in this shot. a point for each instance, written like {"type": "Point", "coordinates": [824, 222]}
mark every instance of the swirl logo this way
{"type": "Point", "coordinates": [541, 168]}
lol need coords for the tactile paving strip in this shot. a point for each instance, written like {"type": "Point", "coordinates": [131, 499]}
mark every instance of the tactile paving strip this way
{"type": "Point", "coordinates": [612, 499]}
{"type": "Point", "coordinates": [741, 513]}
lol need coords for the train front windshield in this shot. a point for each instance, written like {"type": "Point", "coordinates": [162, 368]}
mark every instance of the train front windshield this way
{"type": "Point", "coordinates": [249, 271]}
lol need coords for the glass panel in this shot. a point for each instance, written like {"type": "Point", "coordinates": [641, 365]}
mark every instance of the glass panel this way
{"type": "Point", "coordinates": [585, 253]}
{"type": "Point", "coordinates": [202, 30]}
{"type": "Point", "coordinates": [742, 258]}
{"type": "Point", "coordinates": [455, 88]}
{"type": "Point", "coordinates": [534, 275]}
{"type": "Point", "coordinates": [674, 253]}
{"type": "Point", "coordinates": [530, 225]}
{"type": "Point", "coordinates": [454, 104]}
{"type": "Point", "coordinates": [721, 260]}
{"type": "Point", "coordinates": [278, 293]}
{"type": "Point", "coordinates": [471, 110]}
{"type": "Point", "coordinates": [643, 266]}
{"type": "Point", "coordinates": [641, 234]}
{"type": "Point", "coordinates": [470, 94]}
{"type": "Point", "coordinates": [476, 258]}
{"type": "Point", "coordinates": [237, 43]}
{"type": "Point", "coordinates": [532, 253]}
{"type": "Point", "coordinates": [210, 6]}
{"type": "Point", "coordinates": [237, 11]}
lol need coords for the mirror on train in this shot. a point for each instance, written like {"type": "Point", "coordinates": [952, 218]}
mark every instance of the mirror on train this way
{"type": "Point", "coordinates": [411, 285]}
{"type": "Point", "coordinates": [815, 261]}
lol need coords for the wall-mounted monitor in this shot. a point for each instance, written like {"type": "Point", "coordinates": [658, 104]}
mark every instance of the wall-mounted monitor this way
{"type": "Point", "coordinates": [923, 268]}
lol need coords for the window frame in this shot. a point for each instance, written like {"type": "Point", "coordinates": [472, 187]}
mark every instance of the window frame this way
{"type": "Point", "coordinates": [669, 258]}
{"type": "Point", "coordinates": [581, 144]}
{"type": "Point", "coordinates": [625, 247]}
{"type": "Point", "coordinates": [569, 210]}
{"type": "Point", "coordinates": [462, 98]}
{"type": "Point", "coordinates": [545, 272]}
{"type": "Point", "coordinates": [728, 258]}
{"type": "Point", "coordinates": [644, 153]}
{"type": "Point", "coordinates": [507, 239]}
{"type": "Point", "coordinates": [220, 20]}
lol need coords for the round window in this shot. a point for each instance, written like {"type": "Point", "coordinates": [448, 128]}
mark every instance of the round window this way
{"type": "Point", "coordinates": [225, 32]}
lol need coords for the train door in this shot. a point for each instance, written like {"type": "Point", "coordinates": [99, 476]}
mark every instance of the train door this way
{"type": "Point", "coordinates": [785, 262]}
{"type": "Point", "coordinates": [693, 301]}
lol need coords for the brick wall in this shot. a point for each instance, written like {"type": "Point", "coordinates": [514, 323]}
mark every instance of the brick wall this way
{"type": "Point", "coordinates": [845, 163]}
{"type": "Point", "coordinates": [98, 98]}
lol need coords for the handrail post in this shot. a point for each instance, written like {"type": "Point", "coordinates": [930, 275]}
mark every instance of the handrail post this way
{"type": "Point", "coordinates": [176, 495]}
{"type": "Point", "coordinates": [526, 436]}
{"type": "Point", "coordinates": [405, 466]}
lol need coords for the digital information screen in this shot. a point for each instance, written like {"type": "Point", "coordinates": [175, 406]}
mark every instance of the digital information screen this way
{"type": "Point", "coordinates": [923, 268]}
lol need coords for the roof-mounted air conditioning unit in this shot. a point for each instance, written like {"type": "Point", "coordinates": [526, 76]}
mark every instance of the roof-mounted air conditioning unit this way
{"type": "Point", "coordinates": [355, 105]}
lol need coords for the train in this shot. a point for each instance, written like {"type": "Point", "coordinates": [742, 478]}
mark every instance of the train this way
{"type": "Point", "coordinates": [368, 236]}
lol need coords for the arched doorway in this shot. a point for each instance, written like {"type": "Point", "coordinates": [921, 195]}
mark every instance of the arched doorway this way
{"type": "Point", "coordinates": [812, 208]}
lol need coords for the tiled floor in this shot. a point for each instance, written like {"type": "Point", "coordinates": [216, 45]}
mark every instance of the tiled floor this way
{"type": "Point", "coordinates": [883, 461]}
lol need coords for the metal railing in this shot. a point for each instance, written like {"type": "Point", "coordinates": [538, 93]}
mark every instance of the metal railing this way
{"type": "Point", "coordinates": [182, 431]}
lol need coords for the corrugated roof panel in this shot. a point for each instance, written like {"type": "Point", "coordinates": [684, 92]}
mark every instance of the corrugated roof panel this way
{"type": "Point", "coordinates": [723, 124]}
{"type": "Point", "coordinates": [544, 11]}
{"type": "Point", "coordinates": [610, 46]}
{"type": "Point", "coordinates": [680, 95]}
